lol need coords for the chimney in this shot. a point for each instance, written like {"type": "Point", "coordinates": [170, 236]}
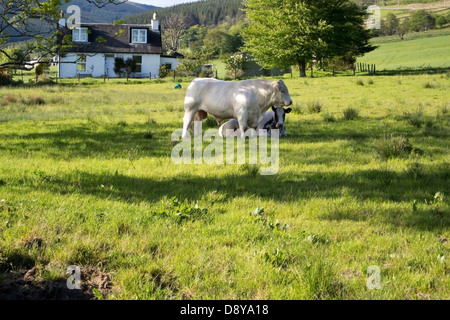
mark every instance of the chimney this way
{"type": "Point", "coordinates": [62, 21]}
{"type": "Point", "coordinates": [155, 23]}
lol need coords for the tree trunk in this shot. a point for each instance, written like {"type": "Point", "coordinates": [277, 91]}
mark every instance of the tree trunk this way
{"type": "Point", "coordinates": [302, 68]}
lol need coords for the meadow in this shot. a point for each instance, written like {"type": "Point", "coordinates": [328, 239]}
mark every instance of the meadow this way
{"type": "Point", "coordinates": [86, 179]}
{"type": "Point", "coordinates": [422, 50]}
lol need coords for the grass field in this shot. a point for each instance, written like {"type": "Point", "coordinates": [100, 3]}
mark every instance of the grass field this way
{"type": "Point", "coordinates": [416, 54]}
{"type": "Point", "coordinates": [86, 179]}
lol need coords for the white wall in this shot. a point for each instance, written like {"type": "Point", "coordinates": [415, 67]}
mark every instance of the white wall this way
{"type": "Point", "coordinates": [98, 64]}
{"type": "Point", "coordinates": [173, 61]}
{"type": "Point", "coordinates": [68, 66]}
{"type": "Point", "coordinates": [66, 69]}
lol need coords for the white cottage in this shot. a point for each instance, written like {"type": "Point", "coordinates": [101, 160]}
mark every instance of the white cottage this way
{"type": "Point", "coordinates": [95, 47]}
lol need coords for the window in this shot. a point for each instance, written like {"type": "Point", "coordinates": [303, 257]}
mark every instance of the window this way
{"type": "Point", "coordinates": [168, 66]}
{"type": "Point", "coordinates": [81, 62]}
{"type": "Point", "coordinates": [139, 36]}
{"type": "Point", "coordinates": [80, 35]}
{"type": "Point", "coordinates": [138, 60]}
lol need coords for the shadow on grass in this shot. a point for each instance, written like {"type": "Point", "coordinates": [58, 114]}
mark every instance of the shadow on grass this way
{"type": "Point", "coordinates": [376, 186]}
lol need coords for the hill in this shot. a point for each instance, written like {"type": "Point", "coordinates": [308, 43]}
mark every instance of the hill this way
{"type": "Point", "coordinates": [91, 14]}
{"type": "Point", "coordinates": [207, 12]}
{"type": "Point", "coordinates": [417, 54]}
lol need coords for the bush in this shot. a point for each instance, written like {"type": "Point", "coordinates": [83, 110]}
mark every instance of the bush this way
{"type": "Point", "coordinates": [430, 85]}
{"type": "Point", "coordinates": [36, 100]}
{"type": "Point", "coordinates": [351, 113]}
{"type": "Point", "coordinates": [393, 147]}
{"type": "Point", "coordinates": [360, 82]}
{"type": "Point", "coordinates": [163, 72]}
{"type": "Point", "coordinates": [414, 118]}
{"type": "Point", "coordinates": [441, 21]}
{"type": "Point", "coordinates": [9, 99]}
{"type": "Point", "coordinates": [5, 79]}
{"type": "Point", "coordinates": [314, 106]}
{"type": "Point", "coordinates": [327, 117]}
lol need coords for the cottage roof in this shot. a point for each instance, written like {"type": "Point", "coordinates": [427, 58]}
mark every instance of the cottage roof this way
{"type": "Point", "coordinates": [115, 40]}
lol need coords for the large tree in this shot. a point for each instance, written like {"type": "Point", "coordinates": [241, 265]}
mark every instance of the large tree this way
{"type": "Point", "coordinates": [35, 21]}
{"type": "Point", "coordinates": [173, 27]}
{"type": "Point", "coordinates": [283, 33]}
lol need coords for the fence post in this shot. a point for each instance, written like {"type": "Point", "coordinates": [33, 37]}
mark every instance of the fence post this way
{"type": "Point", "coordinates": [374, 69]}
{"type": "Point", "coordinates": [333, 72]}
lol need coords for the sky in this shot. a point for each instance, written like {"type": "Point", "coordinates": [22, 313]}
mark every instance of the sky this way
{"type": "Point", "coordinates": [162, 3]}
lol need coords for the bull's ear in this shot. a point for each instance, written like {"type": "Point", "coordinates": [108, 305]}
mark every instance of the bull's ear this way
{"type": "Point", "coordinates": [273, 108]}
{"type": "Point", "coordinates": [288, 110]}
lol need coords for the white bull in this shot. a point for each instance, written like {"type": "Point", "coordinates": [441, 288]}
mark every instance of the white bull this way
{"type": "Point", "coordinates": [246, 101]}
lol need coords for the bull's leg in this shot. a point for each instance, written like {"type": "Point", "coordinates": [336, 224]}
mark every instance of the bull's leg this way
{"type": "Point", "coordinates": [187, 119]}
{"type": "Point", "coordinates": [242, 118]}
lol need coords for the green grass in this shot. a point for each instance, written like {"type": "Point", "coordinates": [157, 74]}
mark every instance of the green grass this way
{"type": "Point", "coordinates": [418, 53]}
{"type": "Point", "coordinates": [86, 178]}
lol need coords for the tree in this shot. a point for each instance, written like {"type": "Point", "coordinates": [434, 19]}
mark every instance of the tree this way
{"type": "Point", "coordinates": [282, 33]}
{"type": "Point", "coordinates": [441, 21]}
{"type": "Point", "coordinates": [390, 25]}
{"type": "Point", "coordinates": [124, 67]}
{"type": "Point", "coordinates": [174, 26]}
{"type": "Point", "coordinates": [234, 63]}
{"type": "Point", "coordinates": [191, 64]}
{"type": "Point", "coordinates": [422, 20]}
{"type": "Point", "coordinates": [36, 20]}
{"type": "Point", "coordinates": [215, 41]}
{"type": "Point", "coordinates": [403, 28]}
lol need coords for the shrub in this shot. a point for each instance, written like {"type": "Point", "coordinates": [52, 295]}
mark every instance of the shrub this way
{"type": "Point", "coordinates": [414, 118]}
{"type": "Point", "coordinates": [393, 147]}
{"type": "Point", "coordinates": [327, 117]}
{"type": "Point", "coordinates": [5, 79]}
{"type": "Point", "coordinates": [351, 113]}
{"type": "Point", "coordinates": [314, 106]}
{"type": "Point", "coordinates": [430, 85]}
{"type": "Point", "coordinates": [360, 82]}
{"type": "Point", "coordinates": [33, 100]}
{"type": "Point", "coordinates": [9, 99]}
{"type": "Point", "coordinates": [370, 81]}
{"type": "Point", "coordinates": [163, 72]}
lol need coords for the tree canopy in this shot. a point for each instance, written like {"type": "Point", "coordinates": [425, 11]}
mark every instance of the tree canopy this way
{"type": "Point", "coordinates": [282, 33]}
{"type": "Point", "coordinates": [34, 20]}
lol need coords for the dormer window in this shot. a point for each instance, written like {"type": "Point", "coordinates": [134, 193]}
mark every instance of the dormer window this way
{"type": "Point", "coordinates": [139, 36]}
{"type": "Point", "coordinates": [80, 35]}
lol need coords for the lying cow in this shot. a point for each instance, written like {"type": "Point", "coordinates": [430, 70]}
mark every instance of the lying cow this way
{"type": "Point", "coordinates": [273, 119]}
{"type": "Point", "coordinates": [246, 101]}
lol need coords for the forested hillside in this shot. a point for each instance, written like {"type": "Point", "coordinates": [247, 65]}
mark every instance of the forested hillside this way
{"type": "Point", "coordinates": [215, 12]}
{"type": "Point", "coordinates": [208, 12]}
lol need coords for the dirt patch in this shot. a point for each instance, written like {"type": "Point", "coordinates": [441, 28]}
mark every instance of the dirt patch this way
{"type": "Point", "coordinates": [27, 285]}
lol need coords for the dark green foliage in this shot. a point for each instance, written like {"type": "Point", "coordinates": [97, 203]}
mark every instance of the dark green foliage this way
{"type": "Point", "coordinates": [124, 67]}
{"type": "Point", "coordinates": [421, 20]}
{"type": "Point", "coordinates": [393, 147]}
{"type": "Point", "coordinates": [212, 12]}
{"type": "Point", "coordinates": [351, 113]}
{"type": "Point", "coordinates": [282, 34]}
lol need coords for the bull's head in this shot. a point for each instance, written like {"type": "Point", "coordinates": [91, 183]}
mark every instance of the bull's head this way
{"type": "Point", "coordinates": [281, 95]}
